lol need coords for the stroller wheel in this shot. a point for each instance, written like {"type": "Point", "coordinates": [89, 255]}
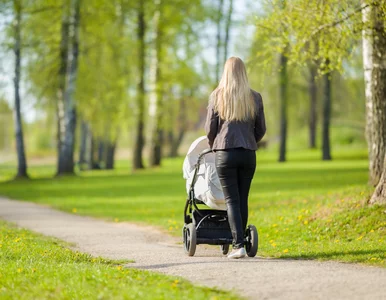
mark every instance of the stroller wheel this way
{"type": "Point", "coordinates": [190, 239]}
{"type": "Point", "coordinates": [225, 249]}
{"type": "Point", "coordinates": [252, 241]}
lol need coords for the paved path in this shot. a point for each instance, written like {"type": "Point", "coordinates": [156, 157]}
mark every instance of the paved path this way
{"type": "Point", "coordinates": [256, 278]}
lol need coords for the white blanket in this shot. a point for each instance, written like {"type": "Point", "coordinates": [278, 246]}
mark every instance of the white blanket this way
{"type": "Point", "coordinates": [207, 187]}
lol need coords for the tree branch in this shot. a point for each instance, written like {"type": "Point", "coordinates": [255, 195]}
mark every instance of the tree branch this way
{"type": "Point", "coordinates": [337, 22]}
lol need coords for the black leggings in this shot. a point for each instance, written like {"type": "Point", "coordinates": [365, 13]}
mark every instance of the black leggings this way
{"type": "Point", "coordinates": [235, 168]}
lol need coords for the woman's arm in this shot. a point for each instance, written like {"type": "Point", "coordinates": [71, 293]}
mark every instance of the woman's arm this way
{"type": "Point", "coordinates": [211, 125]}
{"type": "Point", "coordinates": [260, 128]}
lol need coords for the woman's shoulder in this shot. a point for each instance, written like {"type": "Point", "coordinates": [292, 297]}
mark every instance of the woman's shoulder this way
{"type": "Point", "coordinates": [257, 96]}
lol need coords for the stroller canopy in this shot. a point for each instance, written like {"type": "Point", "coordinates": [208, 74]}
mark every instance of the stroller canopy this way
{"type": "Point", "coordinates": [207, 187]}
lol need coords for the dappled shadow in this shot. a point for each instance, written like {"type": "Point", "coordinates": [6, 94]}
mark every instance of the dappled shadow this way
{"type": "Point", "coordinates": [198, 260]}
{"type": "Point", "coordinates": [335, 254]}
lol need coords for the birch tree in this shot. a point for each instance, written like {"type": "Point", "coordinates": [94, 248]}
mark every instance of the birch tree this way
{"type": "Point", "coordinates": [374, 64]}
{"type": "Point", "coordinates": [66, 158]}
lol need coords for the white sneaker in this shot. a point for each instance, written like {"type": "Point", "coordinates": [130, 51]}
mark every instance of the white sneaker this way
{"type": "Point", "coordinates": [237, 253]}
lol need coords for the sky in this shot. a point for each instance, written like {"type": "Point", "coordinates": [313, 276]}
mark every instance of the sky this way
{"type": "Point", "coordinates": [240, 32]}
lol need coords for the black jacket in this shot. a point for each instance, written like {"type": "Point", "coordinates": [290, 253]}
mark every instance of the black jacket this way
{"type": "Point", "coordinates": [235, 134]}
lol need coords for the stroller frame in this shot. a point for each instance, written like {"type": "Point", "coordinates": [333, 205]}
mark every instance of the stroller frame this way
{"type": "Point", "coordinates": [209, 226]}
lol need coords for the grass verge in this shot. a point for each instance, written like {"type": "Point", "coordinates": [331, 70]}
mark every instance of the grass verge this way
{"type": "Point", "coordinates": [36, 267]}
{"type": "Point", "coordinates": [305, 208]}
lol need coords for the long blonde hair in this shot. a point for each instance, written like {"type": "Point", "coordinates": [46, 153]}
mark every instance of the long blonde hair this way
{"type": "Point", "coordinates": [233, 99]}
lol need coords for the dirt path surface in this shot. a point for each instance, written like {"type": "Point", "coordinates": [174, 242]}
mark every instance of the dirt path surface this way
{"type": "Point", "coordinates": [254, 278]}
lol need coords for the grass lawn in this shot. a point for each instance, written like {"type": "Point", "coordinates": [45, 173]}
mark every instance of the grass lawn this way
{"type": "Point", "coordinates": [36, 267]}
{"type": "Point", "coordinates": [304, 208]}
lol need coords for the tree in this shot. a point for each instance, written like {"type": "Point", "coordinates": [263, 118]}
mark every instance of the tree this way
{"type": "Point", "coordinates": [62, 73]}
{"type": "Point", "coordinates": [283, 78]}
{"type": "Point", "coordinates": [66, 156]}
{"type": "Point", "coordinates": [374, 52]}
{"type": "Point", "coordinates": [326, 152]}
{"type": "Point", "coordinates": [139, 138]}
{"type": "Point", "coordinates": [156, 101]}
{"type": "Point", "coordinates": [313, 93]}
{"type": "Point", "coordinates": [22, 163]}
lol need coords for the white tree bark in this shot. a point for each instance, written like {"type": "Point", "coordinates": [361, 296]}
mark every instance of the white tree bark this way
{"type": "Point", "coordinates": [66, 160]}
{"type": "Point", "coordinates": [374, 63]}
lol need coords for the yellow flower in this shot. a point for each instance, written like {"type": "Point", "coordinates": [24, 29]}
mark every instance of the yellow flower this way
{"type": "Point", "coordinates": [361, 237]}
{"type": "Point", "coordinates": [175, 283]}
{"type": "Point", "coordinates": [74, 210]}
{"type": "Point", "coordinates": [274, 225]}
{"type": "Point", "coordinates": [119, 268]}
{"type": "Point", "coordinates": [305, 222]}
{"type": "Point", "coordinates": [116, 220]}
{"type": "Point", "coordinates": [273, 245]}
{"type": "Point", "coordinates": [285, 251]}
{"type": "Point", "coordinates": [19, 270]}
{"type": "Point", "coordinates": [372, 230]}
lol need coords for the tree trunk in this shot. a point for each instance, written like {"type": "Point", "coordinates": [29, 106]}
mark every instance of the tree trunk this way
{"type": "Point", "coordinates": [218, 47]}
{"type": "Point", "coordinates": [90, 150]}
{"type": "Point", "coordinates": [110, 152]}
{"type": "Point", "coordinates": [227, 29]}
{"type": "Point", "coordinates": [83, 145]}
{"type": "Point", "coordinates": [312, 87]}
{"type": "Point", "coordinates": [139, 138]}
{"type": "Point", "coordinates": [379, 195]}
{"type": "Point", "coordinates": [156, 101]}
{"type": "Point", "coordinates": [21, 159]}
{"type": "Point", "coordinates": [101, 152]}
{"type": "Point", "coordinates": [66, 160]}
{"type": "Point", "coordinates": [63, 59]}
{"type": "Point", "coordinates": [374, 63]}
{"type": "Point", "coordinates": [283, 77]}
{"type": "Point", "coordinates": [326, 153]}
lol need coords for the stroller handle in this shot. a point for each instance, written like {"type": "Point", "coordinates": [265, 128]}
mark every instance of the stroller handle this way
{"type": "Point", "coordinates": [201, 155]}
{"type": "Point", "coordinates": [206, 151]}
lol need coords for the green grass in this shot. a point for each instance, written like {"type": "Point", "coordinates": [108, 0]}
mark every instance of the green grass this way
{"type": "Point", "coordinates": [304, 208]}
{"type": "Point", "coordinates": [36, 267]}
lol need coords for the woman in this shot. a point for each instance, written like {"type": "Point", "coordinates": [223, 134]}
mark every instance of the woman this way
{"type": "Point", "coordinates": [235, 124]}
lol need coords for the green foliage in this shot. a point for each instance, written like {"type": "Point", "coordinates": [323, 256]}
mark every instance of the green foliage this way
{"type": "Point", "coordinates": [309, 31]}
{"type": "Point", "coordinates": [300, 208]}
{"type": "Point", "coordinates": [37, 267]}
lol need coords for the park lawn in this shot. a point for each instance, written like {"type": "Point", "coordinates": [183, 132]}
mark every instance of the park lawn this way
{"type": "Point", "coordinates": [36, 267]}
{"type": "Point", "coordinates": [304, 209]}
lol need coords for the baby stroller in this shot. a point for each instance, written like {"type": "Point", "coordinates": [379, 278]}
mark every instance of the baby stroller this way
{"type": "Point", "coordinates": [208, 225]}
